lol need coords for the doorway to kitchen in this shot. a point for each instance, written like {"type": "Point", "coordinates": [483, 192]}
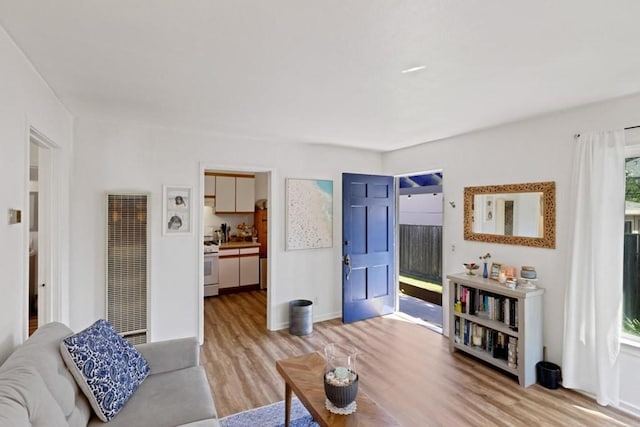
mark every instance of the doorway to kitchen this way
{"type": "Point", "coordinates": [235, 212]}
{"type": "Point", "coordinates": [420, 226]}
{"type": "Point", "coordinates": [40, 284]}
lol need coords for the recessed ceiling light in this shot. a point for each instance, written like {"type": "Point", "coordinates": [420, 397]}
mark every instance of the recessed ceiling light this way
{"type": "Point", "coordinates": [413, 69]}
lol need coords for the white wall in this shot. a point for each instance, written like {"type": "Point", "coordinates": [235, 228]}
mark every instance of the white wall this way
{"type": "Point", "coordinates": [26, 101]}
{"type": "Point", "coordinates": [539, 149]}
{"type": "Point", "coordinates": [119, 156]}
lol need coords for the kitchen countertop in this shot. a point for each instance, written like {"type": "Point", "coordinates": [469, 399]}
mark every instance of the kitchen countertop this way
{"type": "Point", "coordinates": [239, 245]}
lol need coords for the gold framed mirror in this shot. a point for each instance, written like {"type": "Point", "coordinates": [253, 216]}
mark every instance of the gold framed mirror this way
{"type": "Point", "coordinates": [512, 214]}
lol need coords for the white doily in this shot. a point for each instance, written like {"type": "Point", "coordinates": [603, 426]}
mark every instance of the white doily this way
{"type": "Point", "coordinates": [349, 409]}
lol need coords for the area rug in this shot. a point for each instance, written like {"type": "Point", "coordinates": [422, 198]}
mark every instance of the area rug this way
{"type": "Point", "coordinates": [270, 416]}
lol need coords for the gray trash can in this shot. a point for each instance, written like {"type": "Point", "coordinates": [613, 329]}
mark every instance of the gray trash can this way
{"type": "Point", "coordinates": [300, 317]}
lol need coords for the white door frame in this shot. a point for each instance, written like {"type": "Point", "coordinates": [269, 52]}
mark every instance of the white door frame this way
{"type": "Point", "coordinates": [200, 240]}
{"type": "Point", "coordinates": [49, 223]}
{"type": "Point", "coordinates": [397, 255]}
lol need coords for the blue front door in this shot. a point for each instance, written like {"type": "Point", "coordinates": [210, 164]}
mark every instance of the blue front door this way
{"type": "Point", "coordinates": [368, 227]}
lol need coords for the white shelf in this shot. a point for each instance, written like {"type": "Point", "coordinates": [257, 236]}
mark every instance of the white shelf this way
{"type": "Point", "coordinates": [529, 327]}
{"type": "Point", "coordinates": [493, 286]}
{"type": "Point", "coordinates": [492, 324]}
{"type": "Point", "coordinates": [487, 357]}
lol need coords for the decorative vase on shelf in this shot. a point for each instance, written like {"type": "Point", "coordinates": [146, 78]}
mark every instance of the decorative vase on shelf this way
{"type": "Point", "coordinates": [340, 378]}
{"type": "Point", "coordinates": [485, 272]}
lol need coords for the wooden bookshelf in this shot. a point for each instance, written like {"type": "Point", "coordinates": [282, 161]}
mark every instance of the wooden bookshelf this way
{"type": "Point", "coordinates": [497, 312]}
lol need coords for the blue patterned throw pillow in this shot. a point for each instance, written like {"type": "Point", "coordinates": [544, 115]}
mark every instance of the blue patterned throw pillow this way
{"type": "Point", "coordinates": [107, 367]}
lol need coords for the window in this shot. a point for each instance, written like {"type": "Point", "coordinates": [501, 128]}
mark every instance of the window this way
{"type": "Point", "coordinates": [631, 275]}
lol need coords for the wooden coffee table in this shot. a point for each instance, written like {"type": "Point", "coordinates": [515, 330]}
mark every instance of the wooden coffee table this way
{"type": "Point", "coordinates": [304, 376]}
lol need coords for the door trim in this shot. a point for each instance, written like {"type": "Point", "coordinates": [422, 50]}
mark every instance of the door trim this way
{"type": "Point", "coordinates": [271, 264]}
{"type": "Point", "coordinates": [445, 288]}
{"type": "Point", "coordinates": [51, 242]}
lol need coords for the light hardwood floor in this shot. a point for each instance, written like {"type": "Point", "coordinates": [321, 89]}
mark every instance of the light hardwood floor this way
{"type": "Point", "coordinates": [33, 324]}
{"type": "Point", "coordinates": [420, 381]}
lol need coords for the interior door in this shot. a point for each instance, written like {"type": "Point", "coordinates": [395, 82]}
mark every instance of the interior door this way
{"type": "Point", "coordinates": [44, 229]}
{"type": "Point", "coordinates": [368, 239]}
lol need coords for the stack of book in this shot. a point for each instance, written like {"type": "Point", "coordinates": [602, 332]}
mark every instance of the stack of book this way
{"type": "Point", "coordinates": [487, 305]}
{"type": "Point", "coordinates": [512, 353]}
{"type": "Point", "coordinates": [496, 343]}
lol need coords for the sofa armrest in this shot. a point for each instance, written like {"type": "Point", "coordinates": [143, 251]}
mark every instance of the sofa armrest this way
{"type": "Point", "coordinates": [171, 355]}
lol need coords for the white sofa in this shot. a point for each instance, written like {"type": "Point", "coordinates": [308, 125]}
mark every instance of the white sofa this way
{"type": "Point", "coordinates": [37, 389]}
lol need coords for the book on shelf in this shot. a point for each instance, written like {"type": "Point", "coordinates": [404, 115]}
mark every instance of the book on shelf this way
{"type": "Point", "coordinates": [467, 298]}
{"type": "Point", "coordinates": [512, 352]}
{"type": "Point", "coordinates": [496, 343]}
{"type": "Point", "coordinates": [467, 326]}
{"type": "Point", "coordinates": [499, 346]}
{"type": "Point", "coordinates": [478, 336]}
{"type": "Point", "coordinates": [495, 307]}
{"type": "Point", "coordinates": [489, 340]}
{"type": "Point", "coordinates": [507, 311]}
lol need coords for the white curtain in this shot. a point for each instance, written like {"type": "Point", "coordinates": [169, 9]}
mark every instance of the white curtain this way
{"type": "Point", "coordinates": [593, 301]}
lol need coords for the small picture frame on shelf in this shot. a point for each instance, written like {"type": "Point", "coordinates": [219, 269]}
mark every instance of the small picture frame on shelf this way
{"type": "Point", "coordinates": [494, 273]}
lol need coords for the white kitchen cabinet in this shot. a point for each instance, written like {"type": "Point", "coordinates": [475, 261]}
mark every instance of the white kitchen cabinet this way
{"type": "Point", "coordinates": [209, 185]}
{"type": "Point", "coordinates": [245, 194]}
{"type": "Point", "coordinates": [239, 267]}
{"type": "Point", "coordinates": [235, 194]}
{"type": "Point", "coordinates": [225, 194]}
{"type": "Point", "coordinates": [229, 268]}
{"type": "Point", "coordinates": [209, 190]}
{"type": "Point", "coordinates": [249, 266]}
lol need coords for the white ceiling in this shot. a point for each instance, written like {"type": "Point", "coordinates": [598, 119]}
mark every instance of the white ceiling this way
{"type": "Point", "coordinates": [329, 71]}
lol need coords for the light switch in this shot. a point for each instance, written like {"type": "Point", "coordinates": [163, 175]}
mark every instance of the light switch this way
{"type": "Point", "coordinates": [15, 216]}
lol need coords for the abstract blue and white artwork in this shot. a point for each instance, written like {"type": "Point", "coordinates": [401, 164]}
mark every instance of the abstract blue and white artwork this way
{"type": "Point", "coordinates": [309, 213]}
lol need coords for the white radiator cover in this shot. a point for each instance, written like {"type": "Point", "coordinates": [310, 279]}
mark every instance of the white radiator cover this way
{"type": "Point", "coordinates": [128, 264]}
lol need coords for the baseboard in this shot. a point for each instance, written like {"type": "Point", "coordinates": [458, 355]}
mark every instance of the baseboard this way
{"type": "Point", "coordinates": [317, 318]}
{"type": "Point", "coordinates": [328, 316]}
{"type": "Point", "coordinates": [629, 408]}
{"type": "Point", "coordinates": [623, 406]}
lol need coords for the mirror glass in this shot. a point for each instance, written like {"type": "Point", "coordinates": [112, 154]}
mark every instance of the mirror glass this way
{"type": "Point", "coordinates": [508, 214]}
{"type": "Point", "coordinates": [519, 214]}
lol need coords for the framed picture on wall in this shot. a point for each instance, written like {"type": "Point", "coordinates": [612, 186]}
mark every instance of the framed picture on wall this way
{"type": "Point", "coordinates": [309, 213]}
{"type": "Point", "coordinates": [176, 210]}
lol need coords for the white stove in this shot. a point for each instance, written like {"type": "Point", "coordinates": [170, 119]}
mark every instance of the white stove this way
{"type": "Point", "coordinates": [210, 268]}
{"type": "Point", "coordinates": [211, 247]}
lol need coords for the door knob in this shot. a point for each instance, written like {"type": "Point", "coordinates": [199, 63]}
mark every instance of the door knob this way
{"type": "Point", "coordinates": [347, 262]}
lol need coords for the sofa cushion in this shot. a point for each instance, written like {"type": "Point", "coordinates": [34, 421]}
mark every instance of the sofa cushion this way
{"type": "Point", "coordinates": [26, 401]}
{"type": "Point", "coordinates": [107, 368]}
{"type": "Point", "coordinates": [169, 355]}
{"type": "Point", "coordinates": [42, 352]}
{"type": "Point", "coordinates": [168, 399]}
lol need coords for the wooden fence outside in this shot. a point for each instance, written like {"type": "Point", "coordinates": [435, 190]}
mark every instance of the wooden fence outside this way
{"type": "Point", "coordinates": [421, 252]}
{"type": "Point", "coordinates": [631, 280]}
